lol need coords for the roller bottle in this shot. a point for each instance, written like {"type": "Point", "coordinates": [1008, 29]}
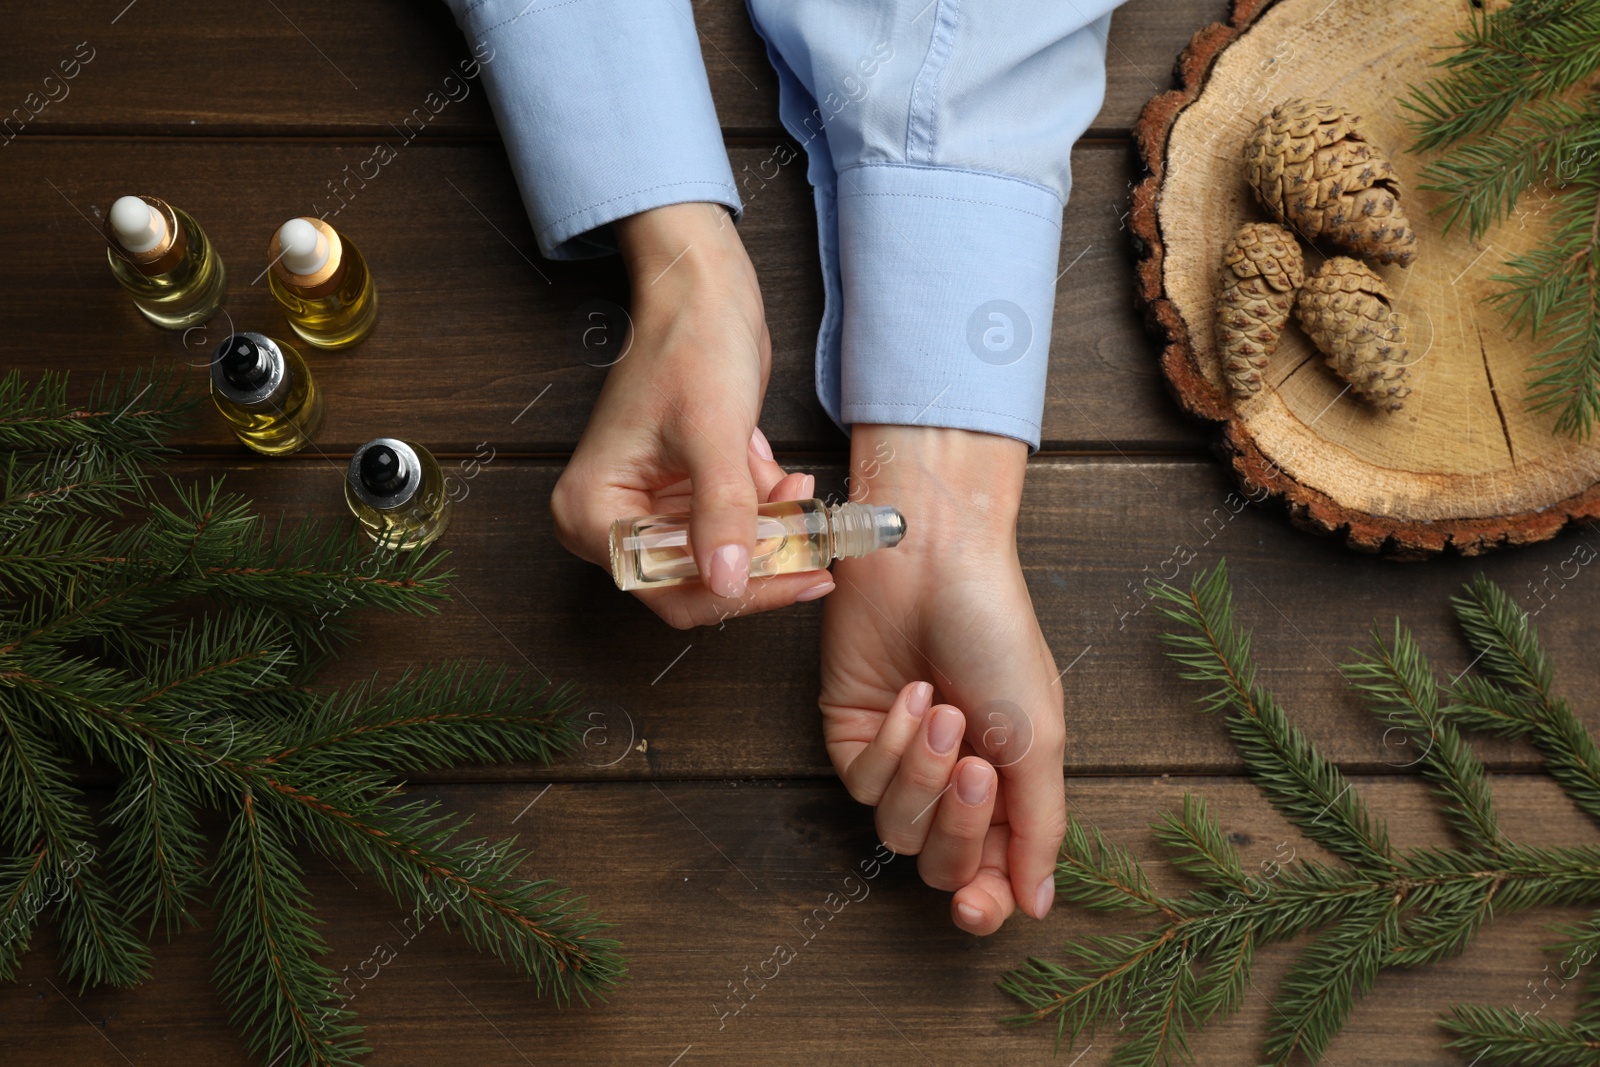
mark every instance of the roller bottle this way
{"type": "Point", "coordinates": [321, 280]}
{"type": "Point", "coordinates": [263, 389]}
{"type": "Point", "coordinates": [164, 259]}
{"type": "Point", "coordinates": [397, 491]}
{"type": "Point", "coordinates": [791, 535]}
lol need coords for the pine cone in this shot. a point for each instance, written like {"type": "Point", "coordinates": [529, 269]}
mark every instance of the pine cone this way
{"type": "Point", "coordinates": [1261, 269]}
{"type": "Point", "coordinates": [1312, 167]}
{"type": "Point", "coordinates": [1346, 311]}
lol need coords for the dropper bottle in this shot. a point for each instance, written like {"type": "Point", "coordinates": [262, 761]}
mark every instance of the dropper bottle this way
{"type": "Point", "coordinates": [262, 387]}
{"type": "Point", "coordinates": [791, 535]}
{"type": "Point", "coordinates": [162, 257]}
{"type": "Point", "coordinates": [321, 280]}
{"type": "Point", "coordinates": [397, 491]}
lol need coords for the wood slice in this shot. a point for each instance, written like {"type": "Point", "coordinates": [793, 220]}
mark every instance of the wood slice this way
{"type": "Point", "coordinates": [1465, 465]}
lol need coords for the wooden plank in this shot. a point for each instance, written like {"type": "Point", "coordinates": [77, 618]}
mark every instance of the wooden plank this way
{"type": "Point", "coordinates": [705, 880]}
{"type": "Point", "coordinates": [474, 326]}
{"type": "Point", "coordinates": [740, 700]}
{"type": "Point", "coordinates": [355, 68]}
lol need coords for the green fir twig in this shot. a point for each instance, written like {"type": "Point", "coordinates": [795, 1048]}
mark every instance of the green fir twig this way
{"type": "Point", "coordinates": [1517, 112]}
{"type": "Point", "coordinates": [162, 631]}
{"type": "Point", "coordinates": [1378, 907]}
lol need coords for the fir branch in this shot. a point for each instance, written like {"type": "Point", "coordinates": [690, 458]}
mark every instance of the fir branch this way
{"type": "Point", "coordinates": [267, 949]}
{"type": "Point", "coordinates": [1311, 792]}
{"type": "Point", "coordinates": [1499, 1037]}
{"type": "Point", "coordinates": [170, 640]}
{"type": "Point", "coordinates": [98, 944]}
{"type": "Point", "coordinates": [1101, 876]}
{"type": "Point", "coordinates": [1508, 58]}
{"type": "Point", "coordinates": [158, 849]}
{"type": "Point", "coordinates": [1317, 994]}
{"type": "Point", "coordinates": [1516, 692]}
{"type": "Point", "coordinates": [1515, 116]}
{"type": "Point", "coordinates": [1399, 685]}
{"type": "Point", "coordinates": [446, 714]}
{"type": "Point", "coordinates": [1198, 845]}
{"type": "Point", "coordinates": [1417, 907]}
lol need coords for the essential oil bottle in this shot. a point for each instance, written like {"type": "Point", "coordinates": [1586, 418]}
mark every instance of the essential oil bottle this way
{"type": "Point", "coordinates": [397, 491]}
{"type": "Point", "coordinates": [791, 535]}
{"type": "Point", "coordinates": [321, 280]}
{"type": "Point", "coordinates": [262, 387]}
{"type": "Point", "coordinates": [163, 257]}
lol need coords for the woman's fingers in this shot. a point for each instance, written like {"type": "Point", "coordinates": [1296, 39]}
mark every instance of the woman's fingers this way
{"type": "Point", "coordinates": [983, 904]}
{"type": "Point", "coordinates": [951, 854]}
{"type": "Point", "coordinates": [905, 816]}
{"type": "Point", "coordinates": [793, 487]}
{"type": "Point", "coordinates": [868, 766]}
{"type": "Point", "coordinates": [686, 606]}
{"type": "Point", "coordinates": [722, 517]}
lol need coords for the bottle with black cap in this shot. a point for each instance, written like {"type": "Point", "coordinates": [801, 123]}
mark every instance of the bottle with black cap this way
{"type": "Point", "coordinates": [397, 491]}
{"type": "Point", "coordinates": [163, 257]}
{"type": "Point", "coordinates": [263, 388]}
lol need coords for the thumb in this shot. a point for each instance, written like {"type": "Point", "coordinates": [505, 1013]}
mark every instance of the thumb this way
{"type": "Point", "coordinates": [722, 512]}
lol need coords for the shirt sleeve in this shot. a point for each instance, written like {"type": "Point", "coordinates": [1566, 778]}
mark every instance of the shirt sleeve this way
{"type": "Point", "coordinates": [938, 135]}
{"type": "Point", "coordinates": [604, 108]}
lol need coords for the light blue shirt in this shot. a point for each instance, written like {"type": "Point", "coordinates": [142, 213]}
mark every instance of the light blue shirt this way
{"type": "Point", "coordinates": [937, 134]}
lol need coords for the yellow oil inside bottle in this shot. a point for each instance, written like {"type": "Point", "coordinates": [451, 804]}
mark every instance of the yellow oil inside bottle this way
{"type": "Point", "coordinates": [791, 536]}
{"type": "Point", "coordinates": [277, 428]}
{"type": "Point", "coordinates": [187, 294]}
{"type": "Point", "coordinates": [419, 521]}
{"type": "Point", "coordinates": [340, 318]}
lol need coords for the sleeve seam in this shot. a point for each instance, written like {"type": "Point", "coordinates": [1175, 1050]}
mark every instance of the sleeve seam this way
{"type": "Point", "coordinates": [518, 15]}
{"type": "Point", "coordinates": [871, 404]}
{"type": "Point", "coordinates": [935, 169]}
{"type": "Point", "coordinates": [636, 192]}
{"type": "Point", "coordinates": [963, 200]}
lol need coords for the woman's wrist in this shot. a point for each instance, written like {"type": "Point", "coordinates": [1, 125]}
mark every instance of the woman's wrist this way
{"type": "Point", "coordinates": [695, 235]}
{"type": "Point", "coordinates": [958, 484]}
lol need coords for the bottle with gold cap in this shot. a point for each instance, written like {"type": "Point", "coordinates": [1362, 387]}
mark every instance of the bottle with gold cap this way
{"type": "Point", "coordinates": [263, 388]}
{"type": "Point", "coordinates": [321, 280]}
{"type": "Point", "coordinates": [397, 491]}
{"type": "Point", "coordinates": [162, 256]}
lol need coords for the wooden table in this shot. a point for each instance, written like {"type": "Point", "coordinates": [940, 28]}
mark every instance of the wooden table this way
{"type": "Point", "coordinates": [705, 819]}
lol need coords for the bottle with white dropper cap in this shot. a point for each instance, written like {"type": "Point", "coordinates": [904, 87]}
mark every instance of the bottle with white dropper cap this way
{"type": "Point", "coordinates": [163, 257]}
{"type": "Point", "coordinates": [321, 279]}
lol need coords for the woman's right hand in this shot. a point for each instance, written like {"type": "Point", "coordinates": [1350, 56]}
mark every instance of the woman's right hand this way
{"type": "Point", "coordinates": [675, 431]}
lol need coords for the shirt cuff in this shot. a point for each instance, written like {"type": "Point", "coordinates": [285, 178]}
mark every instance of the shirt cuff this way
{"type": "Point", "coordinates": [605, 111]}
{"type": "Point", "coordinates": [947, 279]}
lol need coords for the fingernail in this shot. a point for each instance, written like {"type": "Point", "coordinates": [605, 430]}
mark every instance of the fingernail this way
{"type": "Point", "coordinates": [730, 570]}
{"type": "Point", "coordinates": [820, 589]}
{"type": "Point", "coordinates": [1044, 898]}
{"type": "Point", "coordinates": [759, 442]}
{"type": "Point", "coordinates": [944, 732]}
{"type": "Point", "coordinates": [970, 915]}
{"type": "Point", "coordinates": [973, 783]}
{"type": "Point", "coordinates": [808, 488]}
{"type": "Point", "coordinates": [919, 700]}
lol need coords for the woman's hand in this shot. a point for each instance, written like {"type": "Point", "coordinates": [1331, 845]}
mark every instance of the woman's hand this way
{"type": "Point", "coordinates": [934, 635]}
{"type": "Point", "coordinates": [675, 430]}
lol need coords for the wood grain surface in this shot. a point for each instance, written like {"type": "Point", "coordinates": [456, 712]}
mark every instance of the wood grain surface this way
{"type": "Point", "coordinates": [704, 879]}
{"type": "Point", "coordinates": [475, 324]}
{"type": "Point", "coordinates": [701, 816]}
{"type": "Point", "coordinates": [290, 67]}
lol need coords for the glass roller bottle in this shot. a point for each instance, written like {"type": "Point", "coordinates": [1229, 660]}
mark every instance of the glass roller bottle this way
{"type": "Point", "coordinates": [791, 536]}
